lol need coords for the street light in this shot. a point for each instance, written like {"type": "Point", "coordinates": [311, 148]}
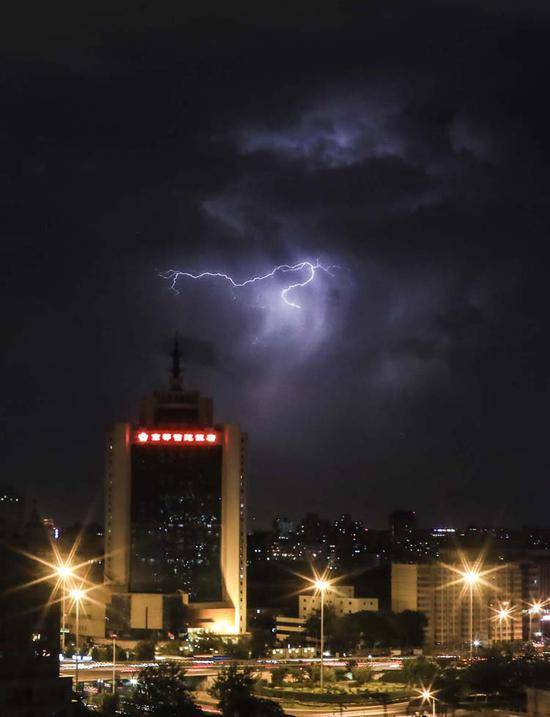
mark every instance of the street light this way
{"type": "Point", "coordinates": [64, 573]}
{"type": "Point", "coordinates": [427, 696]}
{"type": "Point", "coordinates": [503, 614]}
{"type": "Point", "coordinates": [534, 609]}
{"type": "Point", "coordinates": [322, 586]}
{"type": "Point", "coordinates": [77, 595]}
{"type": "Point", "coordinates": [471, 579]}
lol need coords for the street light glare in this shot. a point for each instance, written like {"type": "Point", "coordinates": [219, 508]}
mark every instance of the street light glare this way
{"type": "Point", "coordinates": [77, 594]}
{"type": "Point", "coordinates": [64, 571]}
{"type": "Point", "coordinates": [471, 577]}
{"type": "Point", "coordinates": [322, 585]}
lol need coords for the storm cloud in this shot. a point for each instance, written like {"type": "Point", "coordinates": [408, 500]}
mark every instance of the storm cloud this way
{"type": "Point", "coordinates": [406, 143]}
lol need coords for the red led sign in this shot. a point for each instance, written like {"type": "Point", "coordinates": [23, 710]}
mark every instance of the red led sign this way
{"type": "Point", "coordinates": [178, 437]}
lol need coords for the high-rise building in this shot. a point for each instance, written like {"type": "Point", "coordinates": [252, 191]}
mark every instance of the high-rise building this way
{"type": "Point", "coordinates": [175, 526]}
{"type": "Point", "coordinates": [437, 590]}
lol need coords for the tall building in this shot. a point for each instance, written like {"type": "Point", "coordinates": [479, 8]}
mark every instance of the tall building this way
{"type": "Point", "coordinates": [175, 526]}
{"type": "Point", "coordinates": [437, 590]}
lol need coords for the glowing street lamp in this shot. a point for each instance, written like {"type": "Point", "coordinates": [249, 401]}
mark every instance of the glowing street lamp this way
{"type": "Point", "coordinates": [427, 696]}
{"type": "Point", "coordinates": [64, 573]}
{"type": "Point", "coordinates": [471, 579]}
{"type": "Point", "coordinates": [77, 595]}
{"type": "Point", "coordinates": [535, 608]}
{"type": "Point", "coordinates": [503, 615]}
{"type": "Point", "coordinates": [321, 585]}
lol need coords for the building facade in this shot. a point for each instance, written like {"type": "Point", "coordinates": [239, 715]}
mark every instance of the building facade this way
{"type": "Point", "coordinates": [175, 522]}
{"type": "Point", "coordinates": [341, 600]}
{"type": "Point", "coordinates": [437, 590]}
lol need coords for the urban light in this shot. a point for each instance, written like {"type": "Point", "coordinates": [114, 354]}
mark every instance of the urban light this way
{"type": "Point", "coordinates": [427, 696]}
{"type": "Point", "coordinates": [535, 608]}
{"type": "Point", "coordinates": [321, 585]}
{"type": "Point", "coordinates": [64, 573]}
{"type": "Point", "coordinates": [472, 575]}
{"type": "Point", "coordinates": [471, 578]}
{"type": "Point", "coordinates": [77, 595]}
{"type": "Point", "coordinates": [503, 614]}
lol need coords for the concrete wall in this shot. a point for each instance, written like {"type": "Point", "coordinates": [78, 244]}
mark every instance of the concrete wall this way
{"type": "Point", "coordinates": [233, 565]}
{"type": "Point", "coordinates": [404, 592]}
{"type": "Point", "coordinates": [146, 611]}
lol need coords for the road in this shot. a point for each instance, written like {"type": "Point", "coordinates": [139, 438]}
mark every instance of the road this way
{"type": "Point", "coordinates": [391, 710]}
{"type": "Point", "coordinates": [92, 671]}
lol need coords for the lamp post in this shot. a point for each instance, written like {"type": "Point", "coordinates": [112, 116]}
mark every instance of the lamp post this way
{"type": "Point", "coordinates": [534, 609]}
{"type": "Point", "coordinates": [428, 696]}
{"type": "Point", "coordinates": [77, 595]}
{"type": "Point", "coordinates": [503, 614]}
{"type": "Point", "coordinates": [322, 586]}
{"type": "Point", "coordinates": [64, 573]}
{"type": "Point", "coordinates": [471, 579]}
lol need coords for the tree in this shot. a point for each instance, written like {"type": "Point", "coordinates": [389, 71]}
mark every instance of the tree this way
{"type": "Point", "coordinates": [239, 649]}
{"type": "Point", "coordinates": [233, 688]}
{"type": "Point", "coordinates": [313, 625]}
{"type": "Point", "coordinates": [329, 674]}
{"type": "Point", "coordinates": [449, 684]}
{"type": "Point", "coordinates": [411, 626]}
{"type": "Point", "coordinates": [419, 671]}
{"type": "Point", "coordinates": [161, 692]}
{"type": "Point", "coordinates": [262, 640]}
{"type": "Point", "coordinates": [361, 675]}
{"type": "Point", "coordinates": [109, 705]}
{"type": "Point", "coordinates": [145, 650]}
{"type": "Point", "coordinates": [278, 676]}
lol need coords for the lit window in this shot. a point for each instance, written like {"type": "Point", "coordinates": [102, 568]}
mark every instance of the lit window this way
{"type": "Point", "coordinates": [188, 437]}
{"type": "Point", "coordinates": [199, 437]}
{"type": "Point", "coordinates": [143, 437]}
{"type": "Point", "coordinates": [166, 436]}
{"type": "Point", "coordinates": [178, 437]}
{"type": "Point", "coordinates": [155, 436]}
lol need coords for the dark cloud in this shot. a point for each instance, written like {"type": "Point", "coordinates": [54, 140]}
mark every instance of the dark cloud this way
{"type": "Point", "coordinates": [407, 143]}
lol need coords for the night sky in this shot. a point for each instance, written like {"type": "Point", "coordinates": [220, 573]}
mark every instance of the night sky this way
{"type": "Point", "coordinates": [406, 142]}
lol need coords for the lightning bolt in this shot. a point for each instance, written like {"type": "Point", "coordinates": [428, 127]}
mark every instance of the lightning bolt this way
{"type": "Point", "coordinates": [309, 267]}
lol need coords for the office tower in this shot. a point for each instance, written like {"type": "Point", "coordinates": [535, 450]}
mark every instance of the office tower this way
{"type": "Point", "coordinates": [175, 515]}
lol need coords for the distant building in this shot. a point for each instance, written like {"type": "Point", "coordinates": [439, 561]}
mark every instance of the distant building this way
{"type": "Point", "coordinates": [437, 590]}
{"type": "Point", "coordinates": [341, 600]}
{"type": "Point", "coordinates": [402, 524]}
{"type": "Point", "coordinates": [289, 628]}
{"type": "Point", "coordinates": [12, 512]}
{"type": "Point", "coordinates": [30, 685]}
